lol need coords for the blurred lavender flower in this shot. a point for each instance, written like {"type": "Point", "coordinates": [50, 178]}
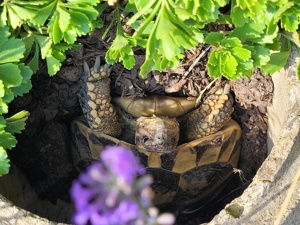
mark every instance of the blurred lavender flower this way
{"type": "Point", "coordinates": [123, 164]}
{"type": "Point", "coordinates": [113, 192]}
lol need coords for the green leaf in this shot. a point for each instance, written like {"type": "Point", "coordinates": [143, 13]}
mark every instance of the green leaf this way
{"type": "Point", "coordinates": [54, 30]}
{"type": "Point", "coordinates": [9, 95]}
{"type": "Point", "coordinates": [64, 19]}
{"type": "Point", "coordinates": [10, 74]}
{"type": "Point", "coordinates": [4, 162]}
{"type": "Point", "coordinates": [229, 65]}
{"type": "Point", "coordinates": [80, 22]}
{"type": "Point", "coordinates": [13, 18]}
{"type": "Point", "coordinates": [7, 140]}
{"type": "Point", "coordinates": [4, 35]}
{"type": "Point", "coordinates": [120, 50]}
{"type": "Point", "coordinates": [281, 10]}
{"type": "Point", "coordinates": [261, 56]}
{"type": "Point", "coordinates": [25, 86]}
{"type": "Point", "coordinates": [18, 13]}
{"type": "Point", "coordinates": [277, 61]}
{"type": "Point", "coordinates": [249, 31]}
{"type": "Point", "coordinates": [147, 30]}
{"type": "Point", "coordinates": [44, 13]}
{"type": "Point", "coordinates": [270, 35]}
{"type": "Point", "coordinates": [144, 9]}
{"type": "Point", "coordinates": [241, 53]}
{"type": "Point", "coordinates": [276, 45]}
{"type": "Point", "coordinates": [101, 7]}
{"type": "Point", "coordinates": [129, 61]}
{"type": "Point", "coordinates": [146, 67]}
{"type": "Point", "coordinates": [237, 16]}
{"type": "Point", "coordinates": [214, 38]}
{"type": "Point", "coordinates": [11, 50]}
{"type": "Point", "coordinates": [34, 61]}
{"type": "Point", "coordinates": [204, 11]}
{"type": "Point", "coordinates": [16, 123]}
{"type": "Point", "coordinates": [168, 38]}
{"type": "Point", "coordinates": [119, 42]}
{"type": "Point", "coordinates": [90, 12]}
{"type": "Point", "coordinates": [2, 123]}
{"type": "Point", "coordinates": [289, 22]}
{"type": "Point", "coordinates": [53, 64]}
{"type": "Point", "coordinates": [3, 17]}
{"type": "Point", "coordinates": [212, 64]}
{"type": "Point", "coordinates": [86, 2]}
{"type": "Point", "coordinates": [3, 107]}
{"type": "Point", "coordinates": [45, 44]}
{"type": "Point", "coordinates": [164, 32]}
{"type": "Point", "coordinates": [79, 25]}
{"type": "Point", "coordinates": [243, 10]}
{"type": "Point", "coordinates": [23, 13]}
{"type": "Point", "coordinates": [231, 42]}
{"type": "Point", "coordinates": [2, 91]}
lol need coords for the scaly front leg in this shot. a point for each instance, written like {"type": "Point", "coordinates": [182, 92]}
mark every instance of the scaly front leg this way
{"type": "Point", "coordinates": [95, 99]}
{"type": "Point", "coordinates": [212, 115]}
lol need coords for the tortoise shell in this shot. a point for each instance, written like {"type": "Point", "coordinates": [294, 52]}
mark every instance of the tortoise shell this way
{"type": "Point", "coordinates": [186, 176]}
{"type": "Point", "coordinates": [185, 179]}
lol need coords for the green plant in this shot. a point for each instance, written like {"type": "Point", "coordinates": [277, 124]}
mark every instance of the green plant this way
{"type": "Point", "coordinates": [14, 81]}
{"type": "Point", "coordinates": [30, 30]}
{"type": "Point", "coordinates": [50, 27]}
{"type": "Point", "coordinates": [259, 34]}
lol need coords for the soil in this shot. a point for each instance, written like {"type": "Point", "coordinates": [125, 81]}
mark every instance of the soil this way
{"type": "Point", "coordinates": [43, 151]}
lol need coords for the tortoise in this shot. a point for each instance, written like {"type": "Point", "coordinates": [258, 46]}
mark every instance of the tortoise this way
{"type": "Point", "coordinates": [187, 175]}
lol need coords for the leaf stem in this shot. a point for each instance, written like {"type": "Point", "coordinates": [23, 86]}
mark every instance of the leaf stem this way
{"type": "Point", "coordinates": [202, 92]}
{"type": "Point", "coordinates": [140, 13]}
{"type": "Point", "coordinates": [140, 30]}
{"type": "Point", "coordinates": [161, 3]}
{"type": "Point", "coordinates": [110, 25]}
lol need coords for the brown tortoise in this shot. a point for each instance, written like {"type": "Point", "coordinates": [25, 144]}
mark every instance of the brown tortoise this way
{"type": "Point", "coordinates": [186, 176]}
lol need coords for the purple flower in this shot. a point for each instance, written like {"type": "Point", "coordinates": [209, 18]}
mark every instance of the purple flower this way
{"type": "Point", "coordinates": [127, 211]}
{"type": "Point", "coordinates": [99, 196]}
{"type": "Point", "coordinates": [112, 192]}
{"type": "Point", "coordinates": [122, 163]}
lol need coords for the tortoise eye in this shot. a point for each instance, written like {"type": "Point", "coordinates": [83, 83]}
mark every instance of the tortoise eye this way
{"type": "Point", "coordinates": [145, 139]}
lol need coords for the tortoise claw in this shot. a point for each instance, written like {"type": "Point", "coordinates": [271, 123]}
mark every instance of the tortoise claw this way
{"type": "Point", "coordinates": [97, 64]}
{"type": "Point", "coordinates": [94, 98]}
{"type": "Point", "coordinates": [86, 69]}
{"type": "Point", "coordinates": [97, 72]}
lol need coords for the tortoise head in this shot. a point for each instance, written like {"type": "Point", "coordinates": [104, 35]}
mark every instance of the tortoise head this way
{"type": "Point", "coordinates": [156, 134]}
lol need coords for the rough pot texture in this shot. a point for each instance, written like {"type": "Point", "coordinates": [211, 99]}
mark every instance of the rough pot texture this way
{"type": "Point", "coordinates": [262, 200]}
{"type": "Point", "coordinates": [259, 204]}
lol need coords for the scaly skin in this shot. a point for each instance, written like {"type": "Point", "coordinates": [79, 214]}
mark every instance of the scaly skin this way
{"type": "Point", "coordinates": [187, 176]}
{"type": "Point", "coordinates": [211, 116]}
{"type": "Point", "coordinates": [156, 134]}
{"type": "Point", "coordinates": [95, 100]}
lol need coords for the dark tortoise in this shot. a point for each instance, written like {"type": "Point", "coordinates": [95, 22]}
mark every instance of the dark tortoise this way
{"type": "Point", "coordinates": [187, 175]}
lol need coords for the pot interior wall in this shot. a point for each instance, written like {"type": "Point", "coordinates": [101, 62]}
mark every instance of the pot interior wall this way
{"type": "Point", "coordinates": [16, 189]}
